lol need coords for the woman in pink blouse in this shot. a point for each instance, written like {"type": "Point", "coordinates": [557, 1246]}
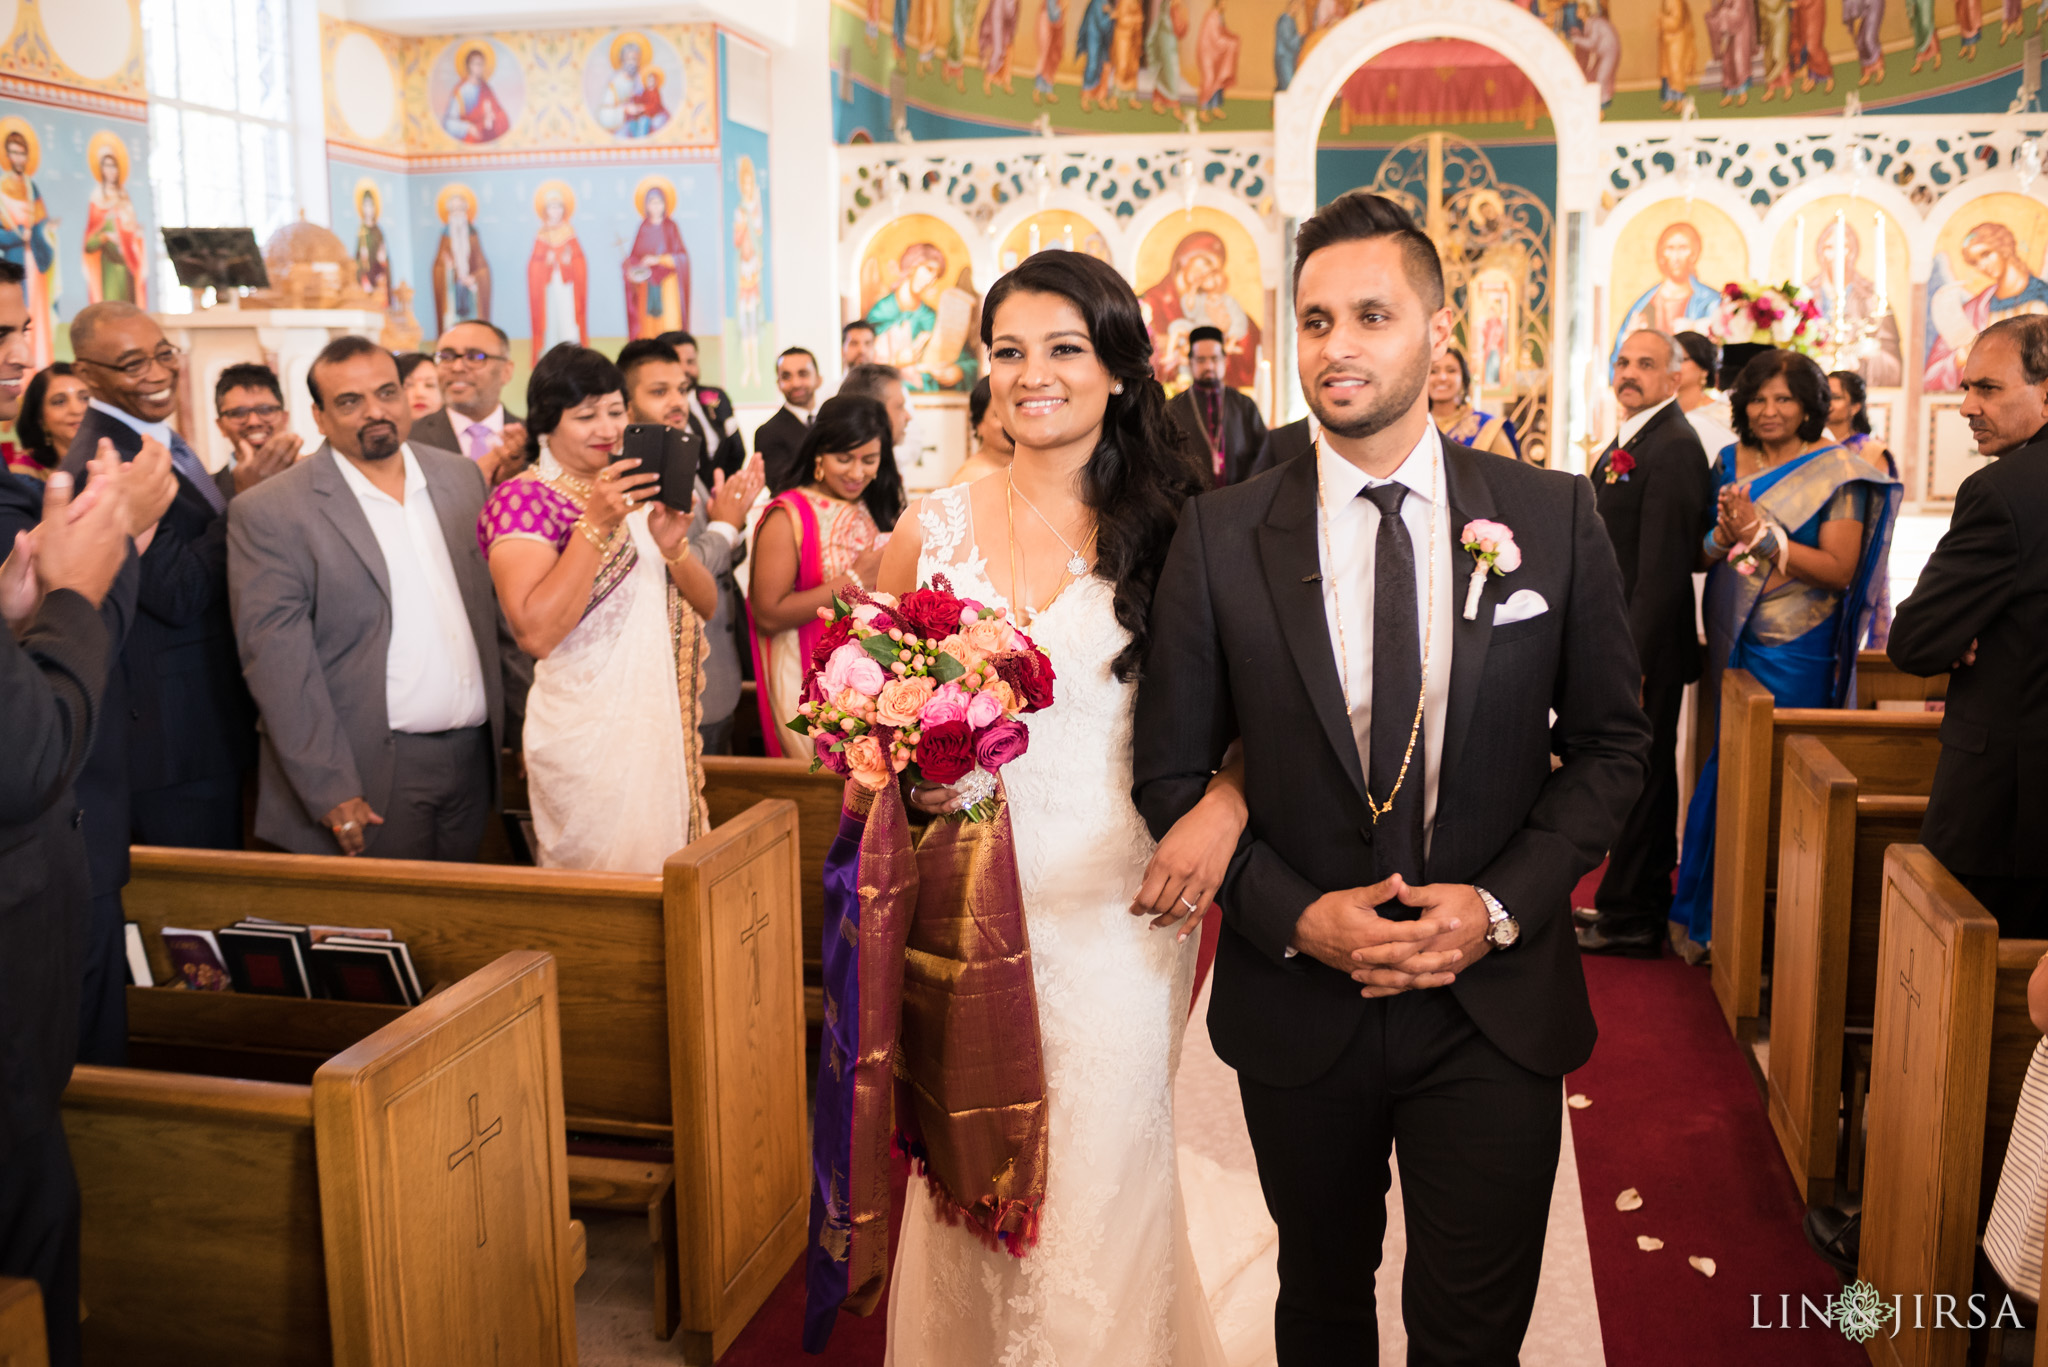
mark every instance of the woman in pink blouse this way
{"type": "Point", "coordinates": [600, 587]}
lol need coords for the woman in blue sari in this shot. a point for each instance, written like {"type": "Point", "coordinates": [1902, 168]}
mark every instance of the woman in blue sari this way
{"type": "Point", "coordinates": [1450, 381]}
{"type": "Point", "coordinates": [1803, 528]}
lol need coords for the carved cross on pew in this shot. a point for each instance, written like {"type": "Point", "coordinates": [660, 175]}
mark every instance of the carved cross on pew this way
{"type": "Point", "coordinates": [472, 1152]}
{"type": "Point", "coordinates": [1913, 996]}
{"type": "Point", "coordinates": [751, 937]}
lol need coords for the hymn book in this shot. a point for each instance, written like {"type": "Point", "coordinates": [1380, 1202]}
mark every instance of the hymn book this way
{"type": "Point", "coordinates": [195, 957]}
{"type": "Point", "coordinates": [265, 961]}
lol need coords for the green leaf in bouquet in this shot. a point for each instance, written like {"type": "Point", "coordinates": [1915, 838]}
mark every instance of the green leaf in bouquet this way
{"type": "Point", "coordinates": [881, 650]}
{"type": "Point", "coordinates": [946, 669]}
{"type": "Point", "coordinates": [799, 724]}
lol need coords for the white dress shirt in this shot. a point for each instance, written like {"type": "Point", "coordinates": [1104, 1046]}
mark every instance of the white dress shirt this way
{"type": "Point", "coordinates": [1715, 434]}
{"type": "Point", "coordinates": [432, 678]}
{"type": "Point", "coordinates": [1639, 422]}
{"type": "Point", "coordinates": [160, 430]}
{"type": "Point", "coordinates": [467, 439]}
{"type": "Point", "coordinates": [1347, 558]}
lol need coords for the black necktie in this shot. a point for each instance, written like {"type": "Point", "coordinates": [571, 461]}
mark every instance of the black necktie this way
{"type": "Point", "coordinates": [1396, 684]}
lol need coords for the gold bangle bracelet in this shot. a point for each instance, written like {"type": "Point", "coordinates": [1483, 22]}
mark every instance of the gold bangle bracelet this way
{"type": "Point", "coordinates": [601, 541]}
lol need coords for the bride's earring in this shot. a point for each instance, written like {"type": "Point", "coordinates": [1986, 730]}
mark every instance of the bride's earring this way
{"type": "Point", "coordinates": [1117, 388]}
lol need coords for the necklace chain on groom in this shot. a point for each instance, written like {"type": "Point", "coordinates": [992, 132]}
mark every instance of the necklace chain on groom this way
{"type": "Point", "coordinates": [1380, 809]}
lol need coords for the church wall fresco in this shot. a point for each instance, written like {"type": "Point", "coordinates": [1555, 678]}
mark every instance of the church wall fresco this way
{"type": "Point", "coordinates": [964, 68]}
{"type": "Point", "coordinates": [75, 207]}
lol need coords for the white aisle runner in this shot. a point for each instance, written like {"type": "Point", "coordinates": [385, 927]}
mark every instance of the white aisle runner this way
{"type": "Point", "coordinates": [1235, 1246]}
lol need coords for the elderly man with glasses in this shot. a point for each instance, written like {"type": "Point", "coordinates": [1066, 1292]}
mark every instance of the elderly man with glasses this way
{"type": "Point", "coordinates": [179, 731]}
{"type": "Point", "coordinates": [474, 361]}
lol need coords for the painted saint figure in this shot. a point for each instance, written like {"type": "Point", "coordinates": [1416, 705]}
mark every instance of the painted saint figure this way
{"type": "Point", "coordinates": [1678, 60]}
{"type": "Point", "coordinates": [1170, 88]}
{"type": "Point", "coordinates": [907, 327]}
{"type": "Point", "coordinates": [373, 257]}
{"type": "Point", "coordinates": [1195, 292]}
{"type": "Point", "coordinates": [462, 276]}
{"type": "Point", "coordinates": [657, 269]}
{"type": "Point", "coordinates": [1886, 365]}
{"type": "Point", "coordinates": [1731, 26]}
{"type": "Point", "coordinates": [114, 247]}
{"type": "Point", "coordinates": [998, 43]}
{"type": "Point", "coordinates": [1955, 317]}
{"type": "Point", "coordinates": [1597, 45]}
{"type": "Point", "coordinates": [1810, 45]}
{"type": "Point", "coordinates": [474, 114]}
{"type": "Point", "coordinates": [749, 227]}
{"type": "Point", "coordinates": [1288, 37]}
{"type": "Point", "coordinates": [1865, 21]}
{"type": "Point", "coordinates": [1098, 24]}
{"type": "Point", "coordinates": [1051, 33]}
{"type": "Point", "coordinates": [1774, 29]}
{"type": "Point", "coordinates": [1216, 50]}
{"type": "Point", "coordinates": [557, 274]}
{"type": "Point", "coordinates": [28, 236]}
{"type": "Point", "coordinates": [1127, 49]}
{"type": "Point", "coordinates": [1926, 37]}
{"type": "Point", "coordinates": [632, 105]}
{"type": "Point", "coordinates": [1681, 297]}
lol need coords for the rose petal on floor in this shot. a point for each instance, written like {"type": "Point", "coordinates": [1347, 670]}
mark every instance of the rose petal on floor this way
{"type": "Point", "coordinates": [1648, 1244]}
{"type": "Point", "coordinates": [1629, 1200]}
{"type": "Point", "coordinates": [1705, 1266]}
{"type": "Point", "coordinates": [1578, 1101]}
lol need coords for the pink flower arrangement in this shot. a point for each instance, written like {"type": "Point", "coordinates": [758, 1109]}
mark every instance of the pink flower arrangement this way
{"type": "Point", "coordinates": [1767, 315]}
{"type": "Point", "coordinates": [932, 686]}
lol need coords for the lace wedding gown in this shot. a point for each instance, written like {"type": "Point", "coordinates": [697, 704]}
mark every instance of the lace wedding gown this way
{"type": "Point", "coordinates": [1112, 1280]}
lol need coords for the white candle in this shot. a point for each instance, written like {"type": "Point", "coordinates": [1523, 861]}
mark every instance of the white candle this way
{"type": "Point", "coordinates": [1882, 278]}
{"type": "Point", "coordinates": [1799, 250]}
{"type": "Point", "coordinates": [1034, 241]}
{"type": "Point", "coordinates": [1841, 273]}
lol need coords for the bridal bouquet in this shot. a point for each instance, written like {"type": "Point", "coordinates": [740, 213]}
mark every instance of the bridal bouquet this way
{"type": "Point", "coordinates": [1766, 315]}
{"type": "Point", "coordinates": [933, 685]}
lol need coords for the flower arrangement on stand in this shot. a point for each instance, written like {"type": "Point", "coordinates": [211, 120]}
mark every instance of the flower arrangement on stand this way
{"type": "Point", "coordinates": [1786, 315]}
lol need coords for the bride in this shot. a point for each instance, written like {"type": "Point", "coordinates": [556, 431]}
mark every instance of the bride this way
{"type": "Point", "coordinates": [1071, 538]}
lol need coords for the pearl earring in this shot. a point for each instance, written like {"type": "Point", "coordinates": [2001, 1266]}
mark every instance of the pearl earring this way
{"type": "Point", "coordinates": [1117, 388]}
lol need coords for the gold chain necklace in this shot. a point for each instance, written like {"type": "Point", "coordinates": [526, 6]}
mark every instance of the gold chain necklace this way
{"type": "Point", "coordinates": [1380, 809]}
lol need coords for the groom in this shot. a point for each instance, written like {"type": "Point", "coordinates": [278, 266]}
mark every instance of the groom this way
{"type": "Point", "coordinates": [1397, 966]}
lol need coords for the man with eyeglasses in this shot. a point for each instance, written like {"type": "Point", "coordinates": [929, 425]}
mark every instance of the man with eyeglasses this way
{"type": "Point", "coordinates": [248, 407]}
{"type": "Point", "coordinates": [474, 361]}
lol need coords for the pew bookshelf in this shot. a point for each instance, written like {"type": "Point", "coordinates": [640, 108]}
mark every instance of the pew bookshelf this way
{"type": "Point", "coordinates": [262, 1217]}
{"type": "Point", "coordinates": [680, 1021]}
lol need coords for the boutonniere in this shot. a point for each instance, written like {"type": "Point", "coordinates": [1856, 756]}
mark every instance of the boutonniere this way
{"type": "Point", "coordinates": [1493, 547]}
{"type": "Point", "coordinates": [1619, 465]}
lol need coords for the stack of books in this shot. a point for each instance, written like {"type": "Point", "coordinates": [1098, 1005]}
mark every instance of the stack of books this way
{"type": "Point", "coordinates": [280, 959]}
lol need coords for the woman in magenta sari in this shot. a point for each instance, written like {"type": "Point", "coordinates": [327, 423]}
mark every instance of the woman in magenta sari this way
{"type": "Point", "coordinates": [815, 539]}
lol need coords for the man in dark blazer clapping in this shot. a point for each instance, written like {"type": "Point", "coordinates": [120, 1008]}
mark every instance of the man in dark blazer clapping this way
{"type": "Point", "coordinates": [1221, 426]}
{"type": "Point", "coordinates": [1980, 614]}
{"type": "Point", "coordinates": [1656, 499]}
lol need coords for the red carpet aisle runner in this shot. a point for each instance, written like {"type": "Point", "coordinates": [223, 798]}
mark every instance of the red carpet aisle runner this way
{"type": "Point", "coordinates": [1675, 1116]}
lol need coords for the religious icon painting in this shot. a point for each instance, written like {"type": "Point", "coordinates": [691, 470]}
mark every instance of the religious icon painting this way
{"type": "Point", "coordinates": [1852, 255]}
{"type": "Point", "coordinates": [557, 273]}
{"type": "Point", "coordinates": [28, 235]}
{"type": "Point", "coordinates": [1053, 230]}
{"type": "Point", "coordinates": [461, 271]}
{"type": "Point", "coordinates": [476, 90]}
{"type": "Point", "coordinates": [373, 253]}
{"type": "Point", "coordinates": [114, 248]}
{"type": "Point", "coordinates": [657, 266]}
{"type": "Point", "coordinates": [633, 83]}
{"type": "Point", "coordinates": [1988, 265]}
{"type": "Point", "coordinates": [1670, 263]}
{"type": "Point", "coordinates": [917, 289]}
{"type": "Point", "coordinates": [1492, 327]}
{"type": "Point", "coordinates": [1201, 268]}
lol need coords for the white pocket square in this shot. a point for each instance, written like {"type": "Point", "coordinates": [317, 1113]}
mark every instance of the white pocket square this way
{"type": "Point", "coordinates": [1520, 606]}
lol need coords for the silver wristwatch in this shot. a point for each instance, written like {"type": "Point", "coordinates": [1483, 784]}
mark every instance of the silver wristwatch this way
{"type": "Point", "coordinates": [1502, 930]}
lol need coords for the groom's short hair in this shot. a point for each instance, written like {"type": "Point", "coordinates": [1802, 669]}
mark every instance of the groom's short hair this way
{"type": "Point", "coordinates": [1361, 216]}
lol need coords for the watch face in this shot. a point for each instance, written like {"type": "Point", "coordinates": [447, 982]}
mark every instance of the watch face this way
{"type": "Point", "coordinates": [1504, 933]}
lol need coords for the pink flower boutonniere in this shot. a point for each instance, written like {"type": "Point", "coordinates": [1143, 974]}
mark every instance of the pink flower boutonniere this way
{"type": "Point", "coordinates": [1619, 465]}
{"type": "Point", "coordinates": [1493, 547]}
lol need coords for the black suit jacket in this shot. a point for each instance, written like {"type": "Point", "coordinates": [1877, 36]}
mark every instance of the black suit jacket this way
{"type": "Point", "coordinates": [1282, 444]}
{"type": "Point", "coordinates": [51, 685]}
{"type": "Point", "coordinates": [437, 430]}
{"type": "Point", "coordinates": [1239, 647]}
{"type": "Point", "coordinates": [178, 709]}
{"type": "Point", "coordinates": [1244, 432]}
{"type": "Point", "coordinates": [779, 440]}
{"type": "Point", "coordinates": [1988, 582]}
{"type": "Point", "coordinates": [1656, 515]}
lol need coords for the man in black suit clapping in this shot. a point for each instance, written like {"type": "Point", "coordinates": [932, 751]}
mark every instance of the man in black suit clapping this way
{"type": "Point", "coordinates": [1980, 614]}
{"type": "Point", "coordinates": [1656, 498]}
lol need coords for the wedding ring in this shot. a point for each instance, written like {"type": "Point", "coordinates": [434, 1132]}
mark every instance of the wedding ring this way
{"type": "Point", "coordinates": [346, 826]}
{"type": "Point", "coordinates": [1189, 905]}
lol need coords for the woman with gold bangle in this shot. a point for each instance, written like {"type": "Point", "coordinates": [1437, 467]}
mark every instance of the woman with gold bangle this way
{"type": "Point", "coordinates": [600, 588]}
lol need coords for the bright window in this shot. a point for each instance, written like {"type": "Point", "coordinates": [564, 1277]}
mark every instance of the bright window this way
{"type": "Point", "coordinates": [220, 120]}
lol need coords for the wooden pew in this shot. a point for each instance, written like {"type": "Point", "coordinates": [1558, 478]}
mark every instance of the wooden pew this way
{"type": "Point", "coordinates": [411, 1205]}
{"type": "Point", "coordinates": [680, 1011]}
{"type": "Point", "coordinates": [1950, 1051]}
{"type": "Point", "coordinates": [733, 783]}
{"type": "Point", "coordinates": [1831, 850]}
{"type": "Point", "coordinates": [1878, 679]}
{"type": "Point", "coordinates": [1888, 752]}
{"type": "Point", "coordinates": [22, 1342]}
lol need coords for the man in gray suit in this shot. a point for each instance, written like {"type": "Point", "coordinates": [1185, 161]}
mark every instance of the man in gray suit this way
{"type": "Point", "coordinates": [658, 391]}
{"type": "Point", "coordinates": [369, 631]}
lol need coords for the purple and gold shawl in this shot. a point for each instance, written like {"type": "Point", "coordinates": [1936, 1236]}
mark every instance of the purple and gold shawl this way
{"type": "Point", "coordinates": [931, 1037]}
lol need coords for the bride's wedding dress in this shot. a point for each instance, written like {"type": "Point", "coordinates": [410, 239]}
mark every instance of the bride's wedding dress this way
{"type": "Point", "coordinates": [1112, 1279]}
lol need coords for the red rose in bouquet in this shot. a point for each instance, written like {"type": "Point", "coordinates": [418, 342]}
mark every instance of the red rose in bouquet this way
{"type": "Point", "coordinates": [946, 752]}
{"type": "Point", "coordinates": [932, 614]}
{"type": "Point", "coordinates": [1029, 675]}
{"type": "Point", "coordinates": [837, 633]}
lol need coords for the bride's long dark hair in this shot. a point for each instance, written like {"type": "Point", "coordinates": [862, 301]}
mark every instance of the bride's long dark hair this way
{"type": "Point", "coordinates": [1141, 472]}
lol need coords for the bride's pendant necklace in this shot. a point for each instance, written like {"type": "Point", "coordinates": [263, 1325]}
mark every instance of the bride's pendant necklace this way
{"type": "Point", "coordinates": [1076, 564]}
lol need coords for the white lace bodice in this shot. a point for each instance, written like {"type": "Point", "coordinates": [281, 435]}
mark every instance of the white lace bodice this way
{"type": "Point", "coordinates": [1111, 1280]}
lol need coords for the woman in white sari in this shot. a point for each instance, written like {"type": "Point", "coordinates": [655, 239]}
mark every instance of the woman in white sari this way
{"type": "Point", "coordinates": [600, 588]}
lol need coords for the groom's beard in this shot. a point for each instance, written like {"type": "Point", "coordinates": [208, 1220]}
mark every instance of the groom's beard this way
{"type": "Point", "coordinates": [1396, 397]}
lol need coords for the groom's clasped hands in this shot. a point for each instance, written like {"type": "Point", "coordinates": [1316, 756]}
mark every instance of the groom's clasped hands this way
{"type": "Point", "coordinates": [1345, 930]}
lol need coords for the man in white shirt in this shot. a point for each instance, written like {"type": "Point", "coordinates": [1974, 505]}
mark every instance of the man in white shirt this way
{"type": "Point", "coordinates": [369, 630]}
